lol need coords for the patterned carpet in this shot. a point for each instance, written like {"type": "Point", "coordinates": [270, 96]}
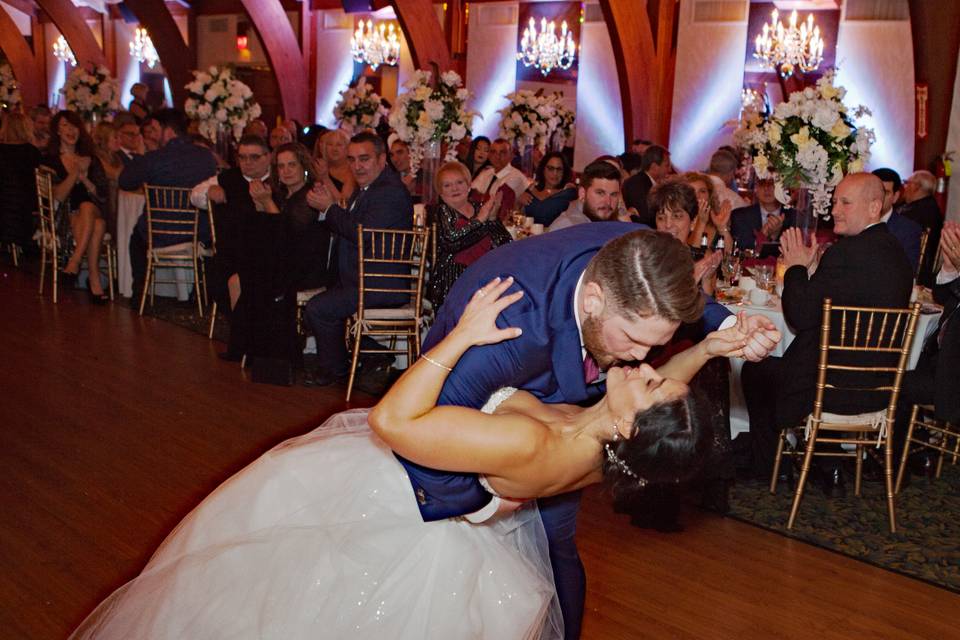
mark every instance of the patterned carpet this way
{"type": "Point", "coordinates": [926, 545]}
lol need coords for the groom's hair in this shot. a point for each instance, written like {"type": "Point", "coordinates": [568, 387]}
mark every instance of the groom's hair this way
{"type": "Point", "coordinates": [646, 273]}
{"type": "Point", "coordinates": [667, 445]}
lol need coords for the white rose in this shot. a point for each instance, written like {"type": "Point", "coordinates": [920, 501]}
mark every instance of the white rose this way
{"type": "Point", "coordinates": [434, 109]}
{"type": "Point", "coordinates": [204, 110]}
{"type": "Point", "coordinates": [450, 78]}
{"type": "Point", "coordinates": [422, 93]}
{"type": "Point", "coordinates": [462, 94]}
{"type": "Point", "coordinates": [254, 111]}
{"type": "Point", "coordinates": [221, 115]}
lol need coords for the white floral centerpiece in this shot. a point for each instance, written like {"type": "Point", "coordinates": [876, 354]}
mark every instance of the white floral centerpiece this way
{"type": "Point", "coordinates": [359, 108]}
{"type": "Point", "coordinates": [9, 89]}
{"type": "Point", "coordinates": [432, 112]}
{"type": "Point", "coordinates": [92, 91]}
{"type": "Point", "coordinates": [534, 118]}
{"type": "Point", "coordinates": [809, 142]}
{"type": "Point", "coordinates": [217, 99]}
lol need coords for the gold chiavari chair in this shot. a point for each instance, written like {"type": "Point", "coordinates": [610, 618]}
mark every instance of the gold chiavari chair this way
{"type": "Point", "coordinates": [851, 337]}
{"type": "Point", "coordinates": [938, 436]}
{"type": "Point", "coordinates": [924, 240]}
{"type": "Point", "coordinates": [170, 214]}
{"type": "Point", "coordinates": [380, 251]}
{"type": "Point", "coordinates": [209, 252]}
{"type": "Point", "coordinates": [47, 208]}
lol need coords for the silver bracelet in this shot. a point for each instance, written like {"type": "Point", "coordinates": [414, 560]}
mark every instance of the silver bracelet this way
{"type": "Point", "coordinates": [435, 363]}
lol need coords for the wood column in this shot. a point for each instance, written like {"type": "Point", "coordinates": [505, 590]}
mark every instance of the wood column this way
{"type": "Point", "coordinates": [22, 61]}
{"type": "Point", "coordinates": [73, 26]}
{"type": "Point", "coordinates": [423, 32]}
{"type": "Point", "coordinates": [175, 56]}
{"type": "Point", "coordinates": [283, 51]}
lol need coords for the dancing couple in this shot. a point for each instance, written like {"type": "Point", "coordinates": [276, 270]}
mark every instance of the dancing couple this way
{"type": "Point", "coordinates": [350, 531]}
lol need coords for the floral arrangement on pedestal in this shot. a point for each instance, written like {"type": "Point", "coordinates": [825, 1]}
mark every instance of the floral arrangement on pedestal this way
{"type": "Point", "coordinates": [809, 142]}
{"type": "Point", "coordinates": [535, 119]}
{"type": "Point", "coordinates": [219, 101]}
{"type": "Point", "coordinates": [359, 108]}
{"type": "Point", "coordinates": [432, 112]}
{"type": "Point", "coordinates": [9, 89]}
{"type": "Point", "coordinates": [92, 91]}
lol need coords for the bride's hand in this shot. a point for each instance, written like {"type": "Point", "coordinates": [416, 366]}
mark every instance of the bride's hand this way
{"type": "Point", "coordinates": [478, 322]}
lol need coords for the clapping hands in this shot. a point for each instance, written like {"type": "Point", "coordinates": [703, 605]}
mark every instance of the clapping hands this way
{"type": "Point", "coordinates": [950, 245]}
{"type": "Point", "coordinates": [752, 338]}
{"type": "Point", "coordinates": [319, 197]}
{"type": "Point", "coordinates": [261, 194]}
{"type": "Point", "coordinates": [795, 251]}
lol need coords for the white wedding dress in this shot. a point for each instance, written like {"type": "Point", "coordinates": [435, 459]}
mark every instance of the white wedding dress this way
{"type": "Point", "coordinates": [321, 537]}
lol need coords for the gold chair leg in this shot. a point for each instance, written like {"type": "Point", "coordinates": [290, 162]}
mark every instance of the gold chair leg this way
{"type": "Point", "coordinates": [213, 320]}
{"type": "Point", "coordinates": [197, 293]}
{"type": "Point", "coordinates": [353, 361]}
{"type": "Point", "coordinates": [804, 472]}
{"type": "Point", "coordinates": [906, 448]}
{"type": "Point", "coordinates": [956, 447]}
{"type": "Point", "coordinates": [147, 286]}
{"type": "Point", "coordinates": [43, 267]}
{"type": "Point", "coordinates": [776, 462]}
{"type": "Point", "coordinates": [888, 479]}
{"type": "Point", "coordinates": [111, 270]}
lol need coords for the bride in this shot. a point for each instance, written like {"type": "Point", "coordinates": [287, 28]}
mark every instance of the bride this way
{"type": "Point", "coordinates": [321, 536]}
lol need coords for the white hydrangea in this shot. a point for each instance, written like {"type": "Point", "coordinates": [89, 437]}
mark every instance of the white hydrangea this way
{"type": "Point", "coordinates": [216, 98]}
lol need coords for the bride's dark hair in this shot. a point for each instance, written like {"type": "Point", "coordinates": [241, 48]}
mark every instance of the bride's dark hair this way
{"type": "Point", "coordinates": [667, 444]}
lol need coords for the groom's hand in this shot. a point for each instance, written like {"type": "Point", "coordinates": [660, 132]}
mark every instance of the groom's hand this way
{"type": "Point", "coordinates": [762, 336]}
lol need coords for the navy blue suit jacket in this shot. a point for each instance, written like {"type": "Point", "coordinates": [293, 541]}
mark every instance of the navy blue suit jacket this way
{"type": "Point", "coordinates": [546, 360]}
{"type": "Point", "coordinates": [746, 220]}
{"type": "Point", "coordinates": [907, 232]}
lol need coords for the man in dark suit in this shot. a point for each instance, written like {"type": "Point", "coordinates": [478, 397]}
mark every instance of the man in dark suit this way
{"type": "Point", "coordinates": [920, 205]}
{"type": "Point", "coordinates": [177, 163]}
{"type": "Point", "coordinates": [128, 138]}
{"type": "Point", "coordinates": [381, 201]}
{"type": "Point", "coordinates": [906, 231]}
{"type": "Point", "coordinates": [935, 380]}
{"type": "Point", "coordinates": [866, 267]}
{"type": "Point", "coordinates": [595, 294]}
{"type": "Point", "coordinates": [654, 166]}
{"type": "Point", "coordinates": [761, 222]}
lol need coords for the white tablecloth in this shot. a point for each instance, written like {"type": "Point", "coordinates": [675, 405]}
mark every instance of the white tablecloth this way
{"type": "Point", "coordinates": [739, 419]}
{"type": "Point", "coordinates": [129, 208]}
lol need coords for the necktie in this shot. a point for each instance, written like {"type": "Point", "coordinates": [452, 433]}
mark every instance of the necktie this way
{"type": "Point", "coordinates": [591, 370]}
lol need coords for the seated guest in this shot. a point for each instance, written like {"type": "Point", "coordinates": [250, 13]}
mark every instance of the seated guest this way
{"type": "Point", "coordinates": [18, 195]}
{"type": "Point", "coordinates": [906, 231]}
{"type": "Point", "coordinates": [400, 160]}
{"type": "Point", "coordinates": [41, 116]}
{"type": "Point", "coordinates": [151, 132]}
{"type": "Point", "coordinates": [640, 145]}
{"type": "Point", "coordinates": [713, 215]}
{"type": "Point", "coordinates": [234, 211]}
{"type": "Point", "coordinates": [478, 157]}
{"type": "Point", "coordinates": [381, 201]}
{"type": "Point", "coordinates": [674, 206]}
{"type": "Point", "coordinates": [108, 148]}
{"type": "Point", "coordinates": [129, 139]}
{"type": "Point", "coordinates": [632, 163]}
{"type": "Point", "coordinates": [465, 229]}
{"type": "Point", "coordinates": [81, 184]}
{"type": "Point", "coordinates": [331, 147]}
{"type": "Point", "coordinates": [500, 172]}
{"type": "Point", "coordinates": [598, 198]}
{"type": "Point", "coordinates": [935, 380]}
{"type": "Point", "coordinates": [654, 166]}
{"type": "Point", "coordinates": [723, 171]}
{"type": "Point", "coordinates": [139, 108]}
{"type": "Point", "coordinates": [865, 267]}
{"type": "Point", "coordinates": [287, 251]}
{"type": "Point", "coordinates": [279, 136]}
{"type": "Point", "coordinates": [920, 205]}
{"type": "Point", "coordinates": [257, 128]}
{"type": "Point", "coordinates": [552, 190]}
{"type": "Point", "coordinates": [763, 221]}
{"type": "Point", "coordinates": [177, 163]}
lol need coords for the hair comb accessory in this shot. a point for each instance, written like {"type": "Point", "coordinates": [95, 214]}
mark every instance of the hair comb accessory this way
{"type": "Point", "coordinates": [617, 461]}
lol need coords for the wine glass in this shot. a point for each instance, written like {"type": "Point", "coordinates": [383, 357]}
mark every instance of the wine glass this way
{"type": "Point", "coordinates": [730, 267]}
{"type": "Point", "coordinates": [763, 274]}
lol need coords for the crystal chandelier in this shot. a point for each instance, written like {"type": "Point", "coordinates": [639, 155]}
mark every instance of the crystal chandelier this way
{"type": "Point", "coordinates": [63, 52]}
{"type": "Point", "coordinates": [375, 45]}
{"type": "Point", "coordinates": [544, 50]}
{"type": "Point", "coordinates": [787, 48]}
{"type": "Point", "coordinates": [141, 48]}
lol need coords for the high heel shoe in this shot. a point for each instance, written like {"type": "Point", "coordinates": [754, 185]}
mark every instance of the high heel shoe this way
{"type": "Point", "coordinates": [97, 298]}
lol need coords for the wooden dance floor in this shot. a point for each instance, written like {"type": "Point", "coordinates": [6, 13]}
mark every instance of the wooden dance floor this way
{"type": "Point", "coordinates": [115, 426]}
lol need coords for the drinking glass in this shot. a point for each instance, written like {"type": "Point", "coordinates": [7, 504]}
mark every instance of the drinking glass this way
{"type": "Point", "coordinates": [763, 274]}
{"type": "Point", "coordinates": [730, 267]}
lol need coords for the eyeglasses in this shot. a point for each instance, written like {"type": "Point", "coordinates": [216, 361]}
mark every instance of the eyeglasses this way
{"type": "Point", "coordinates": [249, 157]}
{"type": "Point", "coordinates": [549, 168]}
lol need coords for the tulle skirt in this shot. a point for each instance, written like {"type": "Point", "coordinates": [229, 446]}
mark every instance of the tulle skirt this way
{"type": "Point", "coordinates": [321, 538]}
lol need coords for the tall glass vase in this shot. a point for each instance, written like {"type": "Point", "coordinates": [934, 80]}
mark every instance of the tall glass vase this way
{"type": "Point", "coordinates": [222, 145]}
{"type": "Point", "coordinates": [432, 158]}
{"type": "Point", "coordinates": [806, 217]}
{"type": "Point", "coordinates": [526, 156]}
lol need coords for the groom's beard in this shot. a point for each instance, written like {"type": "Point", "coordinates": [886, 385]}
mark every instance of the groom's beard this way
{"type": "Point", "coordinates": [593, 341]}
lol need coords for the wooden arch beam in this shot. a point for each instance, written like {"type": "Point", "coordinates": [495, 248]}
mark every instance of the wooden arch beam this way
{"type": "Point", "coordinates": [644, 66]}
{"type": "Point", "coordinates": [175, 56]}
{"type": "Point", "coordinates": [423, 32]}
{"type": "Point", "coordinates": [283, 51]}
{"type": "Point", "coordinates": [70, 22]}
{"type": "Point", "coordinates": [22, 62]}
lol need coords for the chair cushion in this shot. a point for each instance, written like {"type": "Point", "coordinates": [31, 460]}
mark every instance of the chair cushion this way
{"type": "Point", "coordinates": [303, 297]}
{"type": "Point", "coordinates": [396, 313]}
{"type": "Point", "coordinates": [179, 248]}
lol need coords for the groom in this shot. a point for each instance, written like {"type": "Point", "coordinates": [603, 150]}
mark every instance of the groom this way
{"type": "Point", "coordinates": [610, 306]}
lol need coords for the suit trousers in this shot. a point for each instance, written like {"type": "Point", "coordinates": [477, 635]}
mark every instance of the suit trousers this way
{"type": "Point", "coordinates": [559, 515]}
{"type": "Point", "coordinates": [760, 383]}
{"type": "Point", "coordinates": [327, 313]}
